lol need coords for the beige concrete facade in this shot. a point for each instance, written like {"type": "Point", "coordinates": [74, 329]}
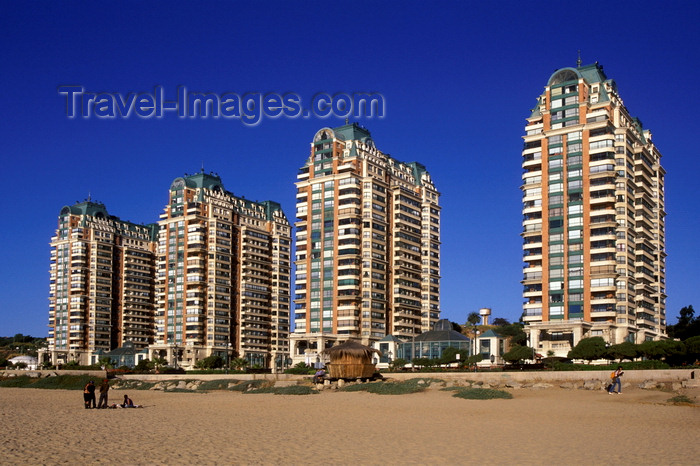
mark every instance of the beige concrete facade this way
{"type": "Point", "coordinates": [367, 244]}
{"type": "Point", "coordinates": [101, 284]}
{"type": "Point", "coordinates": [593, 218]}
{"type": "Point", "coordinates": [223, 277]}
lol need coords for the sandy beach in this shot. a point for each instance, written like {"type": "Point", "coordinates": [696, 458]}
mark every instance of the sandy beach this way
{"type": "Point", "coordinates": [535, 427]}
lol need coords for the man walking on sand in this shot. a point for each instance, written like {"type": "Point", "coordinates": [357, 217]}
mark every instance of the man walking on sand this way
{"type": "Point", "coordinates": [104, 390]}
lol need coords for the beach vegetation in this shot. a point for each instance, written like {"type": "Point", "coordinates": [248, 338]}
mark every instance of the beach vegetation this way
{"type": "Point", "coordinates": [681, 399]}
{"type": "Point", "coordinates": [290, 390]}
{"type": "Point", "coordinates": [392, 388]}
{"type": "Point", "coordinates": [251, 385]}
{"type": "Point", "coordinates": [61, 382]}
{"type": "Point", "coordinates": [479, 393]}
{"type": "Point", "coordinates": [219, 384]}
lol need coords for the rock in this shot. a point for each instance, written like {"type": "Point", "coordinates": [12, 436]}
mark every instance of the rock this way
{"type": "Point", "coordinates": [341, 383]}
{"type": "Point", "coordinates": [567, 386]}
{"type": "Point", "coordinates": [319, 386]}
{"type": "Point", "coordinates": [182, 385]}
{"type": "Point", "coordinates": [541, 386]}
{"type": "Point", "coordinates": [593, 385]}
{"type": "Point", "coordinates": [675, 386]}
{"type": "Point", "coordinates": [648, 385]}
{"type": "Point", "coordinates": [515, 385]}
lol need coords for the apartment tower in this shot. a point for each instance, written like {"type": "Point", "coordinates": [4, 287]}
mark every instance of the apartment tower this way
{"type": "Point", "coordinates": [101, 284]}
{"type": "Point", "coordinates": [593, 217]}
{"type": "Point", "coordinates": [223, 277]}
{"type": "Point", "coordinates": [367, 245]}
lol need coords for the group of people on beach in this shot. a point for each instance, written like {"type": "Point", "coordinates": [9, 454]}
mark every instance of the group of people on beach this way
{"type": "Point", "coordinates": [89, 397]}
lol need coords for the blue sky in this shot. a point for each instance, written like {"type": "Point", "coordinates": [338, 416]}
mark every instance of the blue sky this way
{"type": "Point", "coordinates": [459, 79]}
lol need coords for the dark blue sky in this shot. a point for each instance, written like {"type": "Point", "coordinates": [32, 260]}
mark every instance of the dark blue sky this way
{"type": "Point", "coordinates": [459, 79]}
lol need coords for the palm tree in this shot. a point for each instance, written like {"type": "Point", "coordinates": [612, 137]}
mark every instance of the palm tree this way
{"type": "Point", "coordinates": [239, 363]}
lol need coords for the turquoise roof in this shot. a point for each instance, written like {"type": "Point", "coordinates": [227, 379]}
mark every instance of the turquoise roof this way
{"type": "Point", "coordinates": [93, 209]}
{"type": "Point", "coordinates": [202, 180]}
{"type": "Point", "coordinates": [418, 171]}
{"type": "Point", "coordinates": [352, 132]}
{"type": "Point", "coordinates": [490, 334]}
{"type": "Point", "coordinates": [391, 338]}
{"type": "Point", "coordinates": [89, 208]}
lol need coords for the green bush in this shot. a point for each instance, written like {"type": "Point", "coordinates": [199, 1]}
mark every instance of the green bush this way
{"type": "Point", "coordinates": [628, 366]}
{"type": "Point", "coordinates": [479, 393]}
{"type": "Point", "coordinates": [680, 399]}
{"type": "Point", "coordinates": [16, 382]}
{"type": "Point", "coordinates": [221, 384]}
{"type": "Point", "coordinates": [291, 390]}
{"type": "Point", "coordinates": [392, 388]}
{"type": "Point", "coordinates": [250, 384]}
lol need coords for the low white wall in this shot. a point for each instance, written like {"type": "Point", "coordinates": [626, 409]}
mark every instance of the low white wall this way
{"type": "Point", "coordinates": [633, 376]}
{"type": "Point", "coordinates": [47, 372]}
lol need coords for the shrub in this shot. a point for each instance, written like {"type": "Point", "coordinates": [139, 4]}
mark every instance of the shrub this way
{"type": "Point", "coordinates": [301, 368]}
{"type": "Point", "coordinates": [16, 382]}
{"type": "Point", "coordinates": [392, 388]}
{"type": "Point", "coordinates": [221, 384]}
{"type": "Point", "coordinates": [250, 384]}
{"type": "Point", "coordinates": [680, 399]}
{"type": "Point", "coordinates": [291, 390]}
{"type": "Point", "coordinates": [480, 393]}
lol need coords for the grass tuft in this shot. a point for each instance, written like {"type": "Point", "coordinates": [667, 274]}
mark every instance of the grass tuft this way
{"type": "Point", "coordinates": [478, 393]}
{"type": "Point", "coordinates": [221, 384]}
{"type": "Point", "coordinates": [250, 385]}
{"type": "Point", "coordinates": [681, 399]}
{"type": "Point", "coordinates": [291, 390]}
{"type": "Point", "coordinates": [392, 388]}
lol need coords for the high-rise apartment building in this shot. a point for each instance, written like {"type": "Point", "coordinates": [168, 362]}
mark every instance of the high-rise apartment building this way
{"type": "Point", "coordinates": [223, 276]}
{"type": "Point", "coordinates": [593, 217]}
{"type": "Point", "coordinates": [367, 244]}
{"type": "Point", "coordinates": [101, 284]}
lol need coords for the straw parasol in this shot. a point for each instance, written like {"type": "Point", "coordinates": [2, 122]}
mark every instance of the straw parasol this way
{"type": "Point", "coordinates": [351, 360]}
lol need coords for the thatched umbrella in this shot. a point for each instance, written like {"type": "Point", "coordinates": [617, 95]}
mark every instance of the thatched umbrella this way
{"type": "Point", "coordinates": [351, 360]}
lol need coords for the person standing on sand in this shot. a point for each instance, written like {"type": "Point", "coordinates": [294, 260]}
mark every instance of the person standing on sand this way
{"type": "Point", "coordinates": [89, 395]}
{"type": "Point", "coordinates": [616, 381]}
{"type": "Point", "coordinates": [104, 390]}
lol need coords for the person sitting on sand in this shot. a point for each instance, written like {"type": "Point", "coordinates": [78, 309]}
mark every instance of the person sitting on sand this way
{"type": "Point", "coordinates": [128, 403]}
{"type": "Point", "coordinates": [319, 375]}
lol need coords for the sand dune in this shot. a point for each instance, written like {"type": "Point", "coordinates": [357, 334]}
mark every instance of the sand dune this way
{"type": "Point", "coordinates": [535, 427]}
